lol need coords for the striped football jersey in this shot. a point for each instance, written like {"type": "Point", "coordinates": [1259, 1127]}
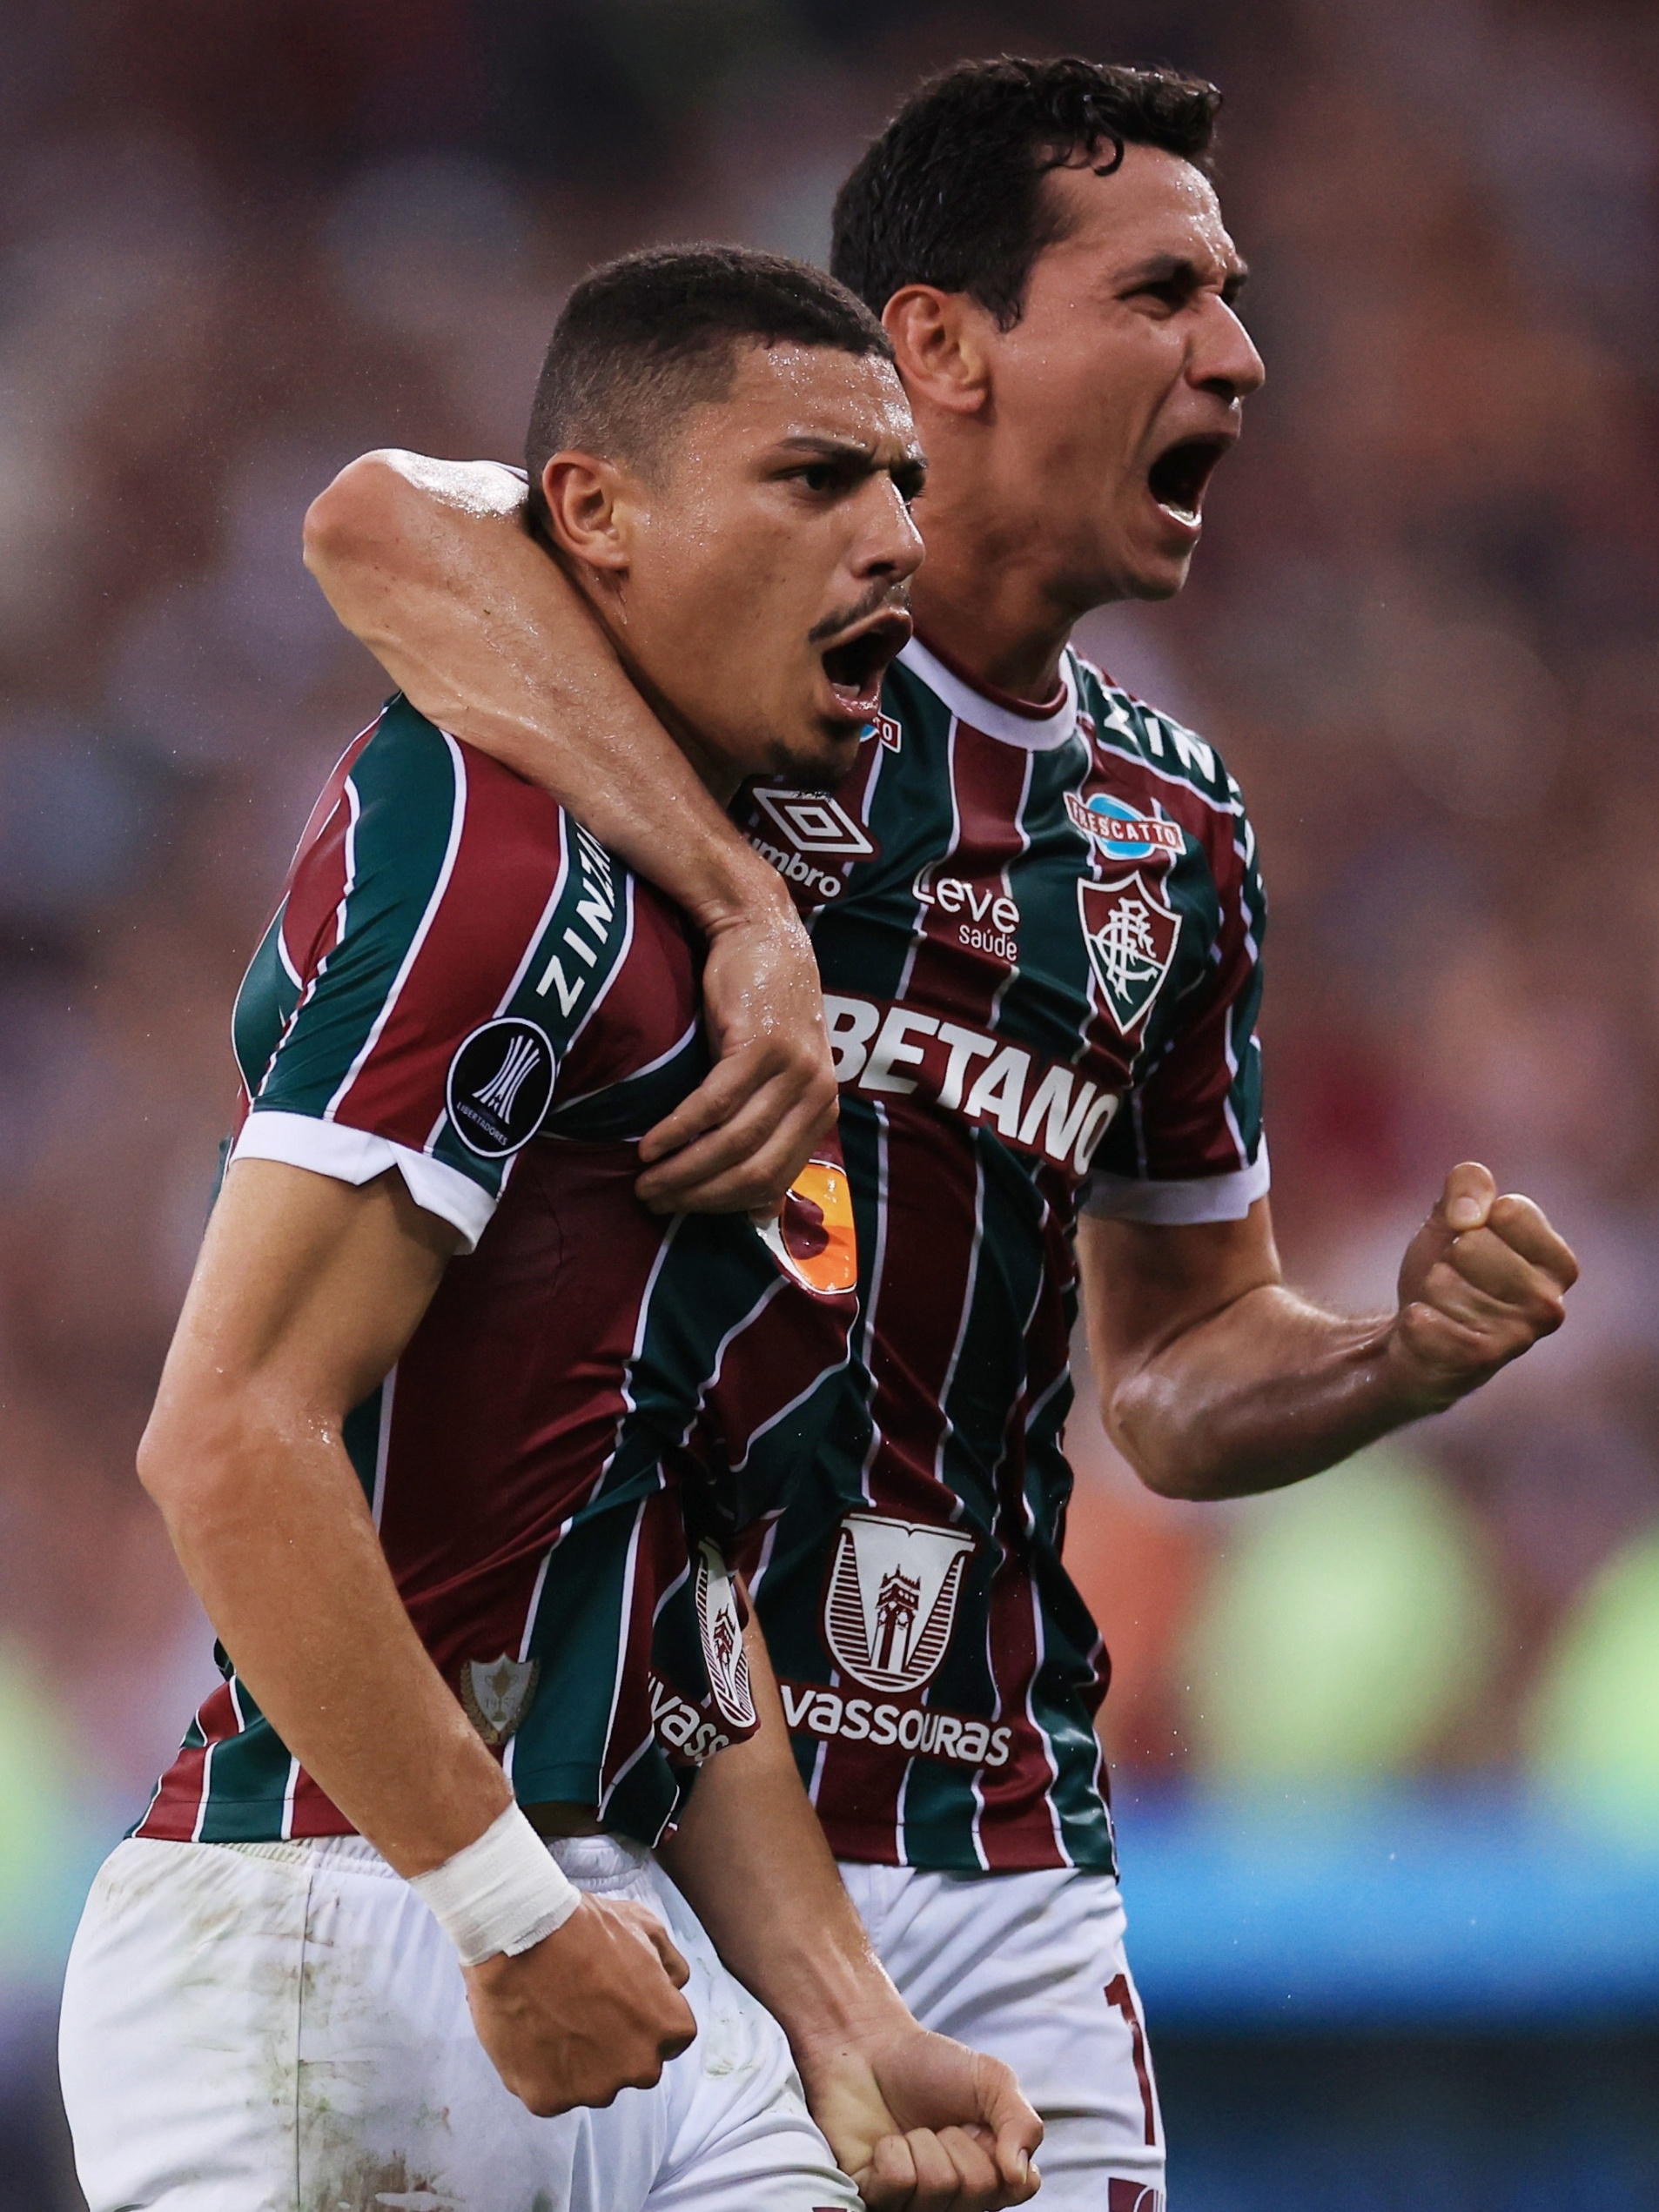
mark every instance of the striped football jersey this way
{"type": "Point", "coordinates": [462, 984]}
{"type": "Point", "coordinates": [1038, 937]}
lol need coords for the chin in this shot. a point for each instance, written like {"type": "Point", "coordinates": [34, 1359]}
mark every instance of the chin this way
{"type": "Point", "coordinates": [1163, 579]}
{"type": "Point", "coordinates": [815, 760]}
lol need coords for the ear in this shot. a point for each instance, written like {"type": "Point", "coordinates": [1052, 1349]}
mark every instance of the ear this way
{"type": "Point", "coordinates": [942, 340]}
{"type": "Point", "coordinates": [591, 510]}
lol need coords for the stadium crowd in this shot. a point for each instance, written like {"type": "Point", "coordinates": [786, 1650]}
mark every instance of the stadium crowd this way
{"type": "Point", "coordinates": [1421, 630]}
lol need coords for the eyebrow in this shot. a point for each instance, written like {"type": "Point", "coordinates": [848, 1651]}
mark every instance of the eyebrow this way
{"type": "Point", "coordinates": [910, 465]}
{"type": "Point", "coordinates": [1163, 268]}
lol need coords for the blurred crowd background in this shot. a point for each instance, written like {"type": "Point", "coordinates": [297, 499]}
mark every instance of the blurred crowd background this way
{"type": "Point", "coordinates": [238, 246]}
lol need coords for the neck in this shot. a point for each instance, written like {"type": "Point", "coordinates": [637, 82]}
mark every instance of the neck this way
{"type": "Point", "coordinates": [1000, 636]}
{"type": "Point", "coordinates": [719, 777]}
{"type": "Point", "coordinates": [985, 593]}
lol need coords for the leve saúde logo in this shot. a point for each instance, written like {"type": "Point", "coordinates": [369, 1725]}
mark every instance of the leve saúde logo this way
{"type": "Point", "coordinates": [812, 1238]}
{"type": "Point", "coordinates": [495, 1694]}
{"type": "Point", "coordinates": [1131, 932]}
{"type": "Point", "coordinates": [500, 1086]}
{"type": "Point", "coordinates": [892, 1602]}
{"type": "Point", "coordinates": [721, 1629]}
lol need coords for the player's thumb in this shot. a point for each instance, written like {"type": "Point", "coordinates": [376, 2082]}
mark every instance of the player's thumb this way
{"type": "Point", "coordinates": [1467, 1197]}
{"type": "Point", "coordinates": [673, 1964]}
{"type": "Point", "coordinates": [645, 1926]}
{"type": "Point", "coordinates": [1014, 2124]}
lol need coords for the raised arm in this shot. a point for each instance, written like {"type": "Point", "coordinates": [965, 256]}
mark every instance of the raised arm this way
{"type": "Point", "coordinates": [306, 1290]}
{"type": "Point", "coordinates": [430, 565]}
{"type": "Point", "coordinates": [1217, 1381]}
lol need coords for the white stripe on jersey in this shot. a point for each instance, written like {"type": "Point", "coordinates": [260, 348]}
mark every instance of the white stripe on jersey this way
{"type": "Point", "coordinates": [200, 1820]}
{"type": "Point", "coordinates": [1039, 1732]}
{"type": "Point", "coordinates": [617, 965]}
{"type": "Point", "coordinates": [560, 879]}
{"type": "Point", "coordinates": [625, 1613]}
{"type": "Point", "coordinates": [354, 811]}
{"type": "Point", "coordinates": [457, 818]}
{"type": "Point", "coordinates": [530, 1614]}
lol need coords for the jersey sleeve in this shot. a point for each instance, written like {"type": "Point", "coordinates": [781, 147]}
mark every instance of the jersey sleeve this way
{"type": "Point", "coordinates": [421, 1033]}
{"type": "Point", "coordinates": [1188, 1145]}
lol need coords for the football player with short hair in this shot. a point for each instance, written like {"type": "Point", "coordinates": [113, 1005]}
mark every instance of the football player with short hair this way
{"type": "Point", "coordinates": [1037, 919]}
{"type": "Point", "coordinates": [455, 1439]}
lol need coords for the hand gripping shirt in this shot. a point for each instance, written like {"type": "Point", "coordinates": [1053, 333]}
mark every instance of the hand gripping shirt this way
{"type": "Point", "coordinates": [1038, 937]}
{"type": "Point", "coordinates": [462, 985]}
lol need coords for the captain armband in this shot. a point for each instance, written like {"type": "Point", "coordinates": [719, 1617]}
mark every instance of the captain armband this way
{"type": "Point", "coordinates": [502, 1894]}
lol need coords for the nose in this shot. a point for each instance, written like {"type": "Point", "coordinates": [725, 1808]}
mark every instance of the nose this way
{"type": "Point", "coordinates": [889, 545]}
{"type": "Point", "coordinates": [1224, 359]}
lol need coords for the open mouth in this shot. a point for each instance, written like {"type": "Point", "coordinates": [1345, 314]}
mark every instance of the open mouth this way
{"type": "Point", "coordinates": [1178, 476]}
{"type": "Point", "coordinates": [857, 664]}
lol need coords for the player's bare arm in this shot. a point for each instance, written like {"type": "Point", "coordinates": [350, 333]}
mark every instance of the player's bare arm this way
{"type": "Point", "coordinates": [1217, 1381]}
{"type": "Point", "coordinates": [305, 1292]}
{"type": "Point", "coordinates": [921, 2123]}
{"type": "Point", "coordinates": [430, 563]}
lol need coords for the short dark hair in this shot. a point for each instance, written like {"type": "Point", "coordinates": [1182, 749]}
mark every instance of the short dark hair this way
{"type": "Point", "coordinates": [643, 339]}
{"type": "Point", "coordinates": [951, 193]}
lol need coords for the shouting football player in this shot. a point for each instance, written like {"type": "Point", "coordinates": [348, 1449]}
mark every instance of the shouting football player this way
{"type": "Point", "coordinates": [455, 1437]}
{"type": "Point", "coordinates": [1036, 912]}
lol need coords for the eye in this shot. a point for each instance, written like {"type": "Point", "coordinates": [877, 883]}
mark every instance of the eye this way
{"type": "Point", "coordinates": [819, 476]}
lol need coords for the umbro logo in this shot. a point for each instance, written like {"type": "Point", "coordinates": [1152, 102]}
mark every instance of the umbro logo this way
{"type": "Point", "coordinates": [813, 821]}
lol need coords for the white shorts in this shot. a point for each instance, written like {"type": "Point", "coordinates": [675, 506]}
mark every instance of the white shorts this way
{"type": "Point", "coordinates": [283, 2028]}
{"type": "Point", "coordinates": [1031, 1967]}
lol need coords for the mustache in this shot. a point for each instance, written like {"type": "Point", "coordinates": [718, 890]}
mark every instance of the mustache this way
{"type": "Point", "coordinates": [876, 601]}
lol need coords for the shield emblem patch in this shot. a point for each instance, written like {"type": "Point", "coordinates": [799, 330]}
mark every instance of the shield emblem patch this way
{"type": "Point", "coordinates": [892, 1599]}
{"type": "Point", "coordinates": [1131, 932]}
{"type": "Point", "coordinates": [496, 1694]}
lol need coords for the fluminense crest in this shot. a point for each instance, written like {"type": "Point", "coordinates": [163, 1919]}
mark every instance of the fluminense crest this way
{"type": "Point", "coordinates": [1131, 932]}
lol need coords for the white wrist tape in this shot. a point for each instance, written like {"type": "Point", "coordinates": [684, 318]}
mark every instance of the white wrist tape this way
{"type": "Point", "coordinates": [503, 1893]}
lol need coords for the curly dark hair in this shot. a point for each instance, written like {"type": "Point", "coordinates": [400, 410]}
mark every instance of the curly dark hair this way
{"type": "Point", "coordinates": [951, 193]}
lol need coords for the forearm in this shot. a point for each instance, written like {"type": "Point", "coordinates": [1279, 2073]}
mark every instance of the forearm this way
{"type": "Point", "coordinates": [753, 1862]}
{"type": "Point", "coordinates": [271, 1527]}
{"type": "Point", "coordinates": [1267, 1390]}
{"type": "Point", "coordinates": [431, 566]}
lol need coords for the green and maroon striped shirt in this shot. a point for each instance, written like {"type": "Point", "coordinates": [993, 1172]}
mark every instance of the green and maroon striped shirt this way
{"type": "Point", "coordinates": [1038, 937]}
{"type": "Point", "coordinates": [460, 984]}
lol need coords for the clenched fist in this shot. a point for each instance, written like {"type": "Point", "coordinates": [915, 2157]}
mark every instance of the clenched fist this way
{"type": "Point", "coordinates": [1484, 1277]}
{"type": "Point", "coordinates": [922, 2123]}
{"type": "Point", "coordinates": [591, 2009]}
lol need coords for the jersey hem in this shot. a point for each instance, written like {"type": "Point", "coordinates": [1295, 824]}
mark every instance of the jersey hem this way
{"type": "Point", "coordinates": [949, 1855]}
{"type": "Point", "coordinates": [1213, 1197]}
{"type": "Point", "coordinates": [357, 1155]}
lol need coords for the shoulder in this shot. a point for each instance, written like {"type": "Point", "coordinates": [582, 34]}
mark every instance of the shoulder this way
{"type": "Point", "coordinates": [1184, 772]}
{"type": "Point", "coordinates": [1167, 749]}
{"type": "Point", "coordinates": [422, 807]}
{"type": "Point", "coordinates": [407, 766]}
